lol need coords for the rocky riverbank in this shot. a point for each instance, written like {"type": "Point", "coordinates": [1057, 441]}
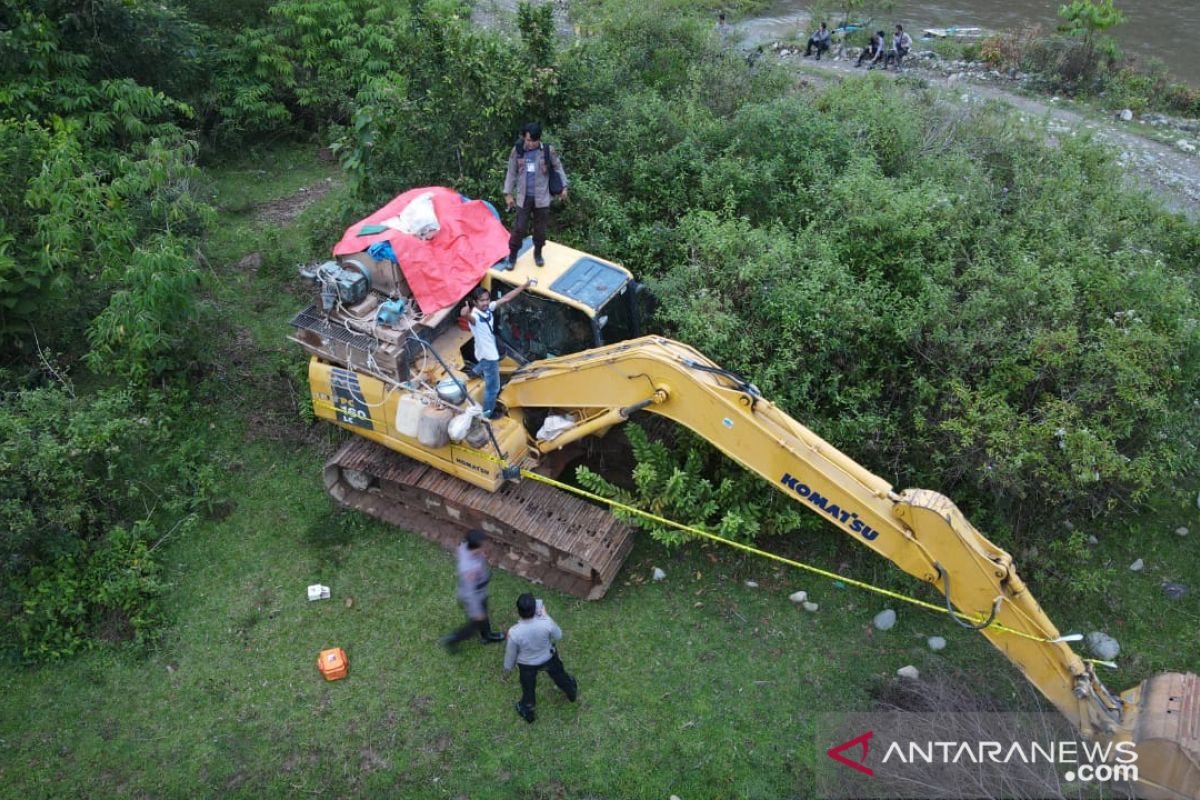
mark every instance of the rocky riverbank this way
{"type": "Point", "coordinates": [1158, 151]}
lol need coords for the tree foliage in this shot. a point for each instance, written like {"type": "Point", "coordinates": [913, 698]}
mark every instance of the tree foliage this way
{"type": "Point", "coordinates": [87, 487]}
{"type": "Point", "coordinates": [948, 300]}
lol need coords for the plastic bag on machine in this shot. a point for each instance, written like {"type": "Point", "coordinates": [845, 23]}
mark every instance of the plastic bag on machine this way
{"type": "Point", "coordinates": [417, 218]}
{"type": "Point", "coordinates": [553, 426]}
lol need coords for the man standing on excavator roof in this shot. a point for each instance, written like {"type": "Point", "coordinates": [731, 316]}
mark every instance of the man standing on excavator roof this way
{"type": "Point", "coordinates": [529, 166]}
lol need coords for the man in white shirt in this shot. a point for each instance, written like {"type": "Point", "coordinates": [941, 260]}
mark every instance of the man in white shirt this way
{"type": "Point", "coordinates": [479, 312]}
{"type": "Point", "coordinates": [901, 44]}
{"type": "Point", "coordinates": [531, 648]}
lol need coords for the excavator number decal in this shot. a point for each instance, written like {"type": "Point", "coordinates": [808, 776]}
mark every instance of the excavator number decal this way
{"type": "Point", "coordinates": [352, 409]}
{"type": "Point", "coordinates": [848, 518]}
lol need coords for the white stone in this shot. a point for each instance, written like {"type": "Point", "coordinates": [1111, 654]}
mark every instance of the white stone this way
{"type": "Point", "coordinates": [1126, 115]}
{"type": "Point", "coordinates": [1103, 645]}
{"type": "Point", "coordinates": [885, 619]}
{"type": "Point", "coordinates": [1093, 541]}
{"type": "Point", "coordinates": [936, 643]}
{"type": "Point", "coordinates": [1137, 566]}
{"type": "Point", "coordinates": [798, 597]}
{"type": "Point", "coordinates": [658, 574]}
{"type": "Point", "coordinates": [1181, 531]}
{"type": "Point", "coordinates": [910, 672]}
{"type": "Point", "coordinates": [752, 584]}
{"type": "Point", "coordinates": [812, 607]}
{"type": "Point", "coordinates": [1185, 146]}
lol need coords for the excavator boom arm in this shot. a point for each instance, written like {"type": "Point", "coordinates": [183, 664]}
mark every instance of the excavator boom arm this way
{"type": "Point", "coordinates": [920, 531]}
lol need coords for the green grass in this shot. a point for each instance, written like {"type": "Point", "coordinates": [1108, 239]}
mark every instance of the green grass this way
{"type": "Point", "coordinates": [697, 686]}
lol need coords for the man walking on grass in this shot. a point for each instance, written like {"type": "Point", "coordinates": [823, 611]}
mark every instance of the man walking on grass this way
{"type": "Point", "coordinates": [473, 579]}
{"type": "Point", "coordinates": [531, 647]}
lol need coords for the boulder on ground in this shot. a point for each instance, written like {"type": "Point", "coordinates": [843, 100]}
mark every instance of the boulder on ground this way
{"type": "Point", "coordinates": [1103, 646]}
{"type": "Point", "coordinates": [885, 619]}
{"type": "Point", "coordinates": [910, 672]}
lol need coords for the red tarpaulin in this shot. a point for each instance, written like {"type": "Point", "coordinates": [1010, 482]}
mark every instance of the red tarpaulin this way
{"type": "Point", "coordinates": [441, 270]}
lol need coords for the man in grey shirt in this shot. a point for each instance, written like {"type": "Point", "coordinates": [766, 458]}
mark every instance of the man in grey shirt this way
{"type": "Point", "coordinates": [473, 579]}
{"type": "Point", "coordinates": [531, 647]}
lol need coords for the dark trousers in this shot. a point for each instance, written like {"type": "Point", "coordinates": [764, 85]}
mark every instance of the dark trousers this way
{"type": "Point", "coordinates": [482, 626]}
{"type": "Point", "coordinates": [540, 217]}
{"type": "Point", "coordinates": [895, 55]}
{"type": "Point", "coordinates": [554, 668]}
{"type": "Point", "coordinates": [821, 48]}
{"type": "Point", "coordinates": [865, 54]}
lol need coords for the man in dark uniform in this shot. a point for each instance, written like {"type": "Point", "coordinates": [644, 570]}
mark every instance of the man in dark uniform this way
{"type": "Point", "coordinates": [528, 175]}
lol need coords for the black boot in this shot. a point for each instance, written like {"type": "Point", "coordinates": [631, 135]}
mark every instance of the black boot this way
{"type": "Point", "coordinates": [537, 257]}
{"type": "Point", "coordinates": [487, 635]}
{"type": "Point", "coordinates": [526, 712]}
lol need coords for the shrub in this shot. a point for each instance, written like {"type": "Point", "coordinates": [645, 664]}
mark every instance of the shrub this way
{"type": "Point", "coordinates": [929, 288]}
{"type": "Point", "coordinates": [87, 487]}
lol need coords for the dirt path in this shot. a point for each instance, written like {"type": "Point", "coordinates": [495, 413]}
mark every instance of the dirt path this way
{"type": "Point", "coordinates": [1165, 170]}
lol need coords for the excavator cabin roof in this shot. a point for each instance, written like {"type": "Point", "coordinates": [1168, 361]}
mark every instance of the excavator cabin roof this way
{"type": "Point", "coordinates": [571, 276]}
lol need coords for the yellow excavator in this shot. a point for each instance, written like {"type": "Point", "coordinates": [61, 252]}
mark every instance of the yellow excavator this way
{"type": "Point", "coordinates": [576, 366]}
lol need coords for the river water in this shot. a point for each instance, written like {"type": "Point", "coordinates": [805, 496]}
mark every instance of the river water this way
{"type": "Point", "coordinates": [1165, 29]}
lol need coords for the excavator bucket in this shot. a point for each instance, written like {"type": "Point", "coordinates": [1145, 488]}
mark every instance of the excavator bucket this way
{"type": "Point", "coordinates": [1166, 729]}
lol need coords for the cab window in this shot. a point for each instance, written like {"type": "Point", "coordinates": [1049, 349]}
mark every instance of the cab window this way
{"type": "Point", "coordinates": [540, 328]}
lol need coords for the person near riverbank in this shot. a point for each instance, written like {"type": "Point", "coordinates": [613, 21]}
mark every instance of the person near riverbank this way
{"type": "Point", "coordinates": [901, 44]}
{"type": "Point", "coordinates": [873, 52]}
{"type": "Point", "coordinates": [529, 166]}
{"type": "Point", "coordinates": [722, 26]}
{"type": "Point", "coordinates": [473, 579]}
{"type": "Point", "coordinates": [531, 649]}
{"type": "Point", "coordinates": [819, 40]}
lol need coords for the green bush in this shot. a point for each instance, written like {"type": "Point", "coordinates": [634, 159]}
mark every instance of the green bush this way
{"type": "Point", "coordinates": [88, 486]}
{"type": "Point", "coordinates": [931, 289]}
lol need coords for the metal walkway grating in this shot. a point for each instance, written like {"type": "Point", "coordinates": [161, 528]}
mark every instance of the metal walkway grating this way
{"type": "Point", "coordinates": [311, 319]}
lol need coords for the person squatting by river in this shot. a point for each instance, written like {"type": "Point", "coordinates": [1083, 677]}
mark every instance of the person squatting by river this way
{"type": "Point", "coordinates": [901, 44]}
{"type": "Point", "coordinates": [873, 52]}
{"type": "Point", "coordinates": [819, 40]}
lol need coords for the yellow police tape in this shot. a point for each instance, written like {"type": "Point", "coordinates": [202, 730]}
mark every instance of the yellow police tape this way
{"type": "Point", "coordinates": [975, 620]}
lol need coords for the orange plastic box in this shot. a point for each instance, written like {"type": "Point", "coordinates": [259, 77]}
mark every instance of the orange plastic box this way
{"type": "Point", "coordinates": [333, 664]}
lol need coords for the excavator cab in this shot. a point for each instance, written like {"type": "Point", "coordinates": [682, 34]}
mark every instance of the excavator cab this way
{"type": "Point", "coordinates": [580, 302]}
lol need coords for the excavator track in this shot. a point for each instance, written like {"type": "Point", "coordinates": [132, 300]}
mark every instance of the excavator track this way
{"type": "Point", "coordinates": [547, 536]}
